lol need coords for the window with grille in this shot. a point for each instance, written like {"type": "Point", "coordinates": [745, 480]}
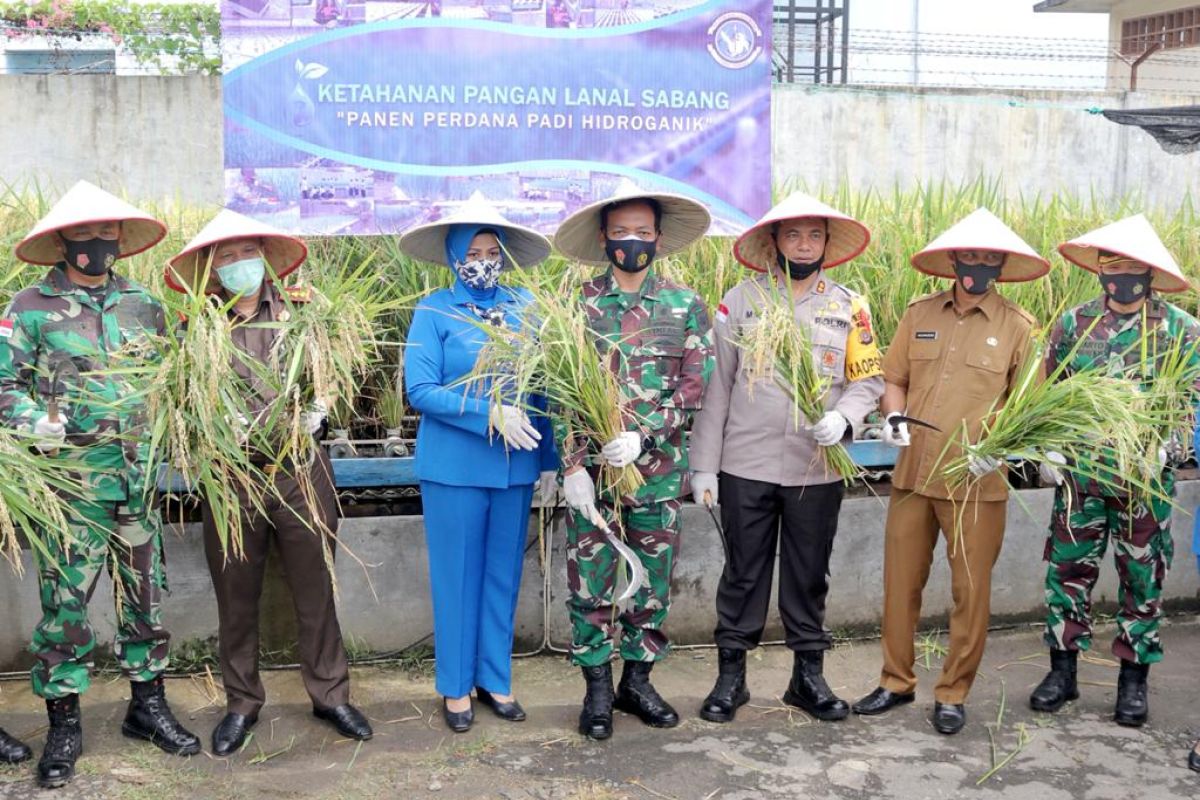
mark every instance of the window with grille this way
{"type": "Point", "coordinates": [1173, 29]}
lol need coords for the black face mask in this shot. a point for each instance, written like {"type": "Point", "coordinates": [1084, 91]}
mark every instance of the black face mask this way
{"type": "Point", "coordinates": [93, 256]}
{"type": "Point", "coordinates": [1128, 287]}
{"type": "Point", "coordinates": [798, 270]}
{"type": "Point", "coordinates": [630, 255]}
{"type": "Point", "coordinates": [981, 276]}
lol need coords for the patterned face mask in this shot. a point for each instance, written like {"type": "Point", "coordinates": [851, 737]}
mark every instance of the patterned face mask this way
{"type": "Point", "coordinates": [481, 274]}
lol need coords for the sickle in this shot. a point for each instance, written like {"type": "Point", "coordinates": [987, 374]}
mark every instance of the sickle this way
{"type": "Point", "coordinates": [900, 419]}
{"type": "Point", "coordinates": [637, 577]}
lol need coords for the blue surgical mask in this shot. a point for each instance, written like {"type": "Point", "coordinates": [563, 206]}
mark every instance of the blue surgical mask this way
{"type": "Point", "coordinates": [242, 277]}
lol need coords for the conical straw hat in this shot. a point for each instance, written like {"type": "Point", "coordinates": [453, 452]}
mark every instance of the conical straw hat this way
{"type": "Point", "coordinates": [282, 252]}
{"type": "Point", "coordinates": [847, 236]}
{"type": "Point", "coordinates": [1132, 237]}
{"type": "Point", "coordinates": [524, 247]}
{"type": "Point", "coordinates": [83, 204]}
{"type": "Point", "coordinates": [982, 230]}
{"type": "Point", "coordinates": [684, 220]}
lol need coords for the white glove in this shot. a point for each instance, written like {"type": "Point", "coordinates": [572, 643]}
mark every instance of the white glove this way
{"type": "Point", "coordinates": [514, 425]}
{"type": "Point", "coordinates": [548, 487]}
{"type": "Point", "coordinates": [704, 483]}
{"type": "Point", "coordinates": [314, 418]}
{"type": "Point", "coordinates": [580, 494]}
{"type": "Point", "coordinates": [979, 466]}
{"type": "Point", "coordinates": [896, 435]}
{"type": "Point", "coordinates": [623, 450]}
{"type": "Point", "coordinates": [51, 434]}
{"type": "Point", "coordinates": [241, 426]}
{"type": "Point", "coordinates": [1050, 470]}
{"type": "Point", "coordinates": [1162, 457]}
{"type": "Point", "coordinates": [830, 428]}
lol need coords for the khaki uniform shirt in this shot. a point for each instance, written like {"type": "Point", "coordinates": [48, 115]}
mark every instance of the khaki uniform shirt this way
{"type": "Point", "coordinates": [755, 436]}
{"type": "Point", "coordinates": [255, 338]}
{"type": "Point", "coordinates": [954, 367]}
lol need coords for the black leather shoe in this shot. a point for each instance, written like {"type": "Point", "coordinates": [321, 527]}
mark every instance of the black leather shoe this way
{"type": "Point", "coordinates": [808, 690]}
{"type": "Point", "coordinates": [348, 720]}
{"type": "Point", "coordinates": [458, 721]}
{"type": "Point", "coordinates": [1194, 758]}
{"type": "Point", "coordinates": [1059, 685]}
{"type": "Point", "coordinates": [730, 692]}
{"type": "Point", "coordinates": [511, 711]}
{"type": "Point", "coordinates": [13, 750]}
{"type": "Point", "coordinates": [949, 718]}
{"type": "Point", "coordinates": [636, 695]}
{"type": "Point", "coordinates": [1133, 706]}
{"type": "Point", "coordinates": [881, 700]}
{"type": "Point", "coordinates": [230, 733]}
{"type": "Point", "coordinates": [64, 743]}
{"type": "Point", "coordinates": [150, 718]}
{"type": "Point", "coordinates": [596, 718]}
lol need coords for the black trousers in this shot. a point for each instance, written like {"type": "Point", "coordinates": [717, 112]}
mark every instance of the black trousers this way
{"type": "Point", "coordinates": [754, 514]}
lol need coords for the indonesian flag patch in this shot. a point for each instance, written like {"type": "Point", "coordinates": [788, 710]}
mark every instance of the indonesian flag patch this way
{"type": "Point", "coordinates": [6, 328]}
{"type": "Point", "coordinates": [722, 313]}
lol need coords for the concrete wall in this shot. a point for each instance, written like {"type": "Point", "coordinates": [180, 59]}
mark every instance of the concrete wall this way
{"type": "Point", "coordinates": [1038, 142]}
{"type": "Point", "coordinates": [155, 138]}
{"type": "Point", "coordinates": [159, 138]}
{"type": "Point", "coordinates": [386, 605]}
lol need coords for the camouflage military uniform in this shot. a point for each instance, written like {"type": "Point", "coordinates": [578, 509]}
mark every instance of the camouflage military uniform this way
{"type": "Point", "coordinates": [60, 327]}
{"type": "Point", "coordinates": [1088, 515]}
{"type": "Point", "coordinates": [659, 344]}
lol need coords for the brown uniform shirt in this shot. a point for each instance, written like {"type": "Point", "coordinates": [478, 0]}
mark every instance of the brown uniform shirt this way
{"type": "Point", "coordinates": [954, 367]}
{"type": "Point", "coordinates": [255, 340]}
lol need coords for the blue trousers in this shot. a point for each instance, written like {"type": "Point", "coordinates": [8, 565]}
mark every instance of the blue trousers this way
{"type": "Point", "coordinates": [476, 540]}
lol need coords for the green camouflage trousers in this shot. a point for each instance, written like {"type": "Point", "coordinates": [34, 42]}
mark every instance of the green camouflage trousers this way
{"type": "Point", "coordinates": [651, 531]}
{"type": "Point", "coordinates": [106, 536]}
{"type": "Point", "coordinates": [1142, 550]}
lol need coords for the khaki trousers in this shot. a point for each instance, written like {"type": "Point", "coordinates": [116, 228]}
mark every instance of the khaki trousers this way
{"type": "Point", "coordinates": [913, 524]}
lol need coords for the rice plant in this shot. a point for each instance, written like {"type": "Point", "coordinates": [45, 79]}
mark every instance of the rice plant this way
{"type": "Point", "coordinates": [779, 349]}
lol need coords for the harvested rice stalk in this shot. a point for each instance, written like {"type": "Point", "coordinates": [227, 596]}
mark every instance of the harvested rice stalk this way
{"type": "Point", "coordinates": [32, 497]}
{"type": "Point", "coordinates": [779, 349]}
{"type": "Point", "coordinates": [553, 355]}
{"type": "Point", "coordinates": [1062, 414]}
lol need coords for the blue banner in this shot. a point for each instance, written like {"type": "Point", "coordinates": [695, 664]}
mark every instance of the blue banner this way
{"type": "Point", "coordinates": [371, 116]}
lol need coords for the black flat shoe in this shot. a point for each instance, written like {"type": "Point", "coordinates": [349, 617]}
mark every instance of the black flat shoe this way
{"type": "Point", "coordinates": [348, 720]}
{"type": "Point", "coordinates": [881, 700]}
{"type": "Point", "coordinates": [949, 718]}
{"type": "Point", "coordinates": [230, 733]}
{"type": "Point", "coordinates": [458, 721]}
{"type": "Point", "coordinates": [1194, 758]}
{"type": "Point", "coordinates": [511, 711]}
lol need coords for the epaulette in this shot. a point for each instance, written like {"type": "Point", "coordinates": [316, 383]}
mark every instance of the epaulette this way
{"type": "Point", "coordinates": [923, 298]}
{"type": "Point", "coordinates": [1021, 312]}
{"type": "Point", "coordinates": [298, 294]}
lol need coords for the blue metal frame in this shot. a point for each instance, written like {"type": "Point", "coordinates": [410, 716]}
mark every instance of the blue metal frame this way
{"type": "Point", "coordinates": [375, 473]}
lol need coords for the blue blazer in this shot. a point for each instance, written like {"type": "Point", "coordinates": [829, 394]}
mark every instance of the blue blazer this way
{"type": "Point", "coordinates": [454, 445]}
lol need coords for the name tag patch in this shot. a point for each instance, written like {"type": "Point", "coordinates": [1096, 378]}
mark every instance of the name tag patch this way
{"type": "Point", "coordinates": [927, 335]}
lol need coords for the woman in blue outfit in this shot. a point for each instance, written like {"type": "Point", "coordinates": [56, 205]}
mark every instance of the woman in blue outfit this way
{"type": "Point", "coordinates": [478, 464]}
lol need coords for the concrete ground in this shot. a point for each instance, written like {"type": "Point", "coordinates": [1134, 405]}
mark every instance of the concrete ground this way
{"type": "Point", "coordinates": [770, 751]}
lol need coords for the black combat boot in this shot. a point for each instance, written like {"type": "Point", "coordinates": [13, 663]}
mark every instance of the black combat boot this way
{"type": "Point", "coordinates": [150, 718]}
{"type": "Point", "coordinates": [729, 693]}
{"type": "Point", "coordinates": [1132, 704]}
{"type": "Point", "coordinates": [64, 743]}
{"type": "Point", "coordinates": [595, 721]}
{"type": "Point", "coordinates": [636, 695]}
{"type": "Point", "coordinates": [808, 690]}
{"type": "Point", "coordinates": [1059, 685]}
{"type": "Point", "coordinates": [13, 750]}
